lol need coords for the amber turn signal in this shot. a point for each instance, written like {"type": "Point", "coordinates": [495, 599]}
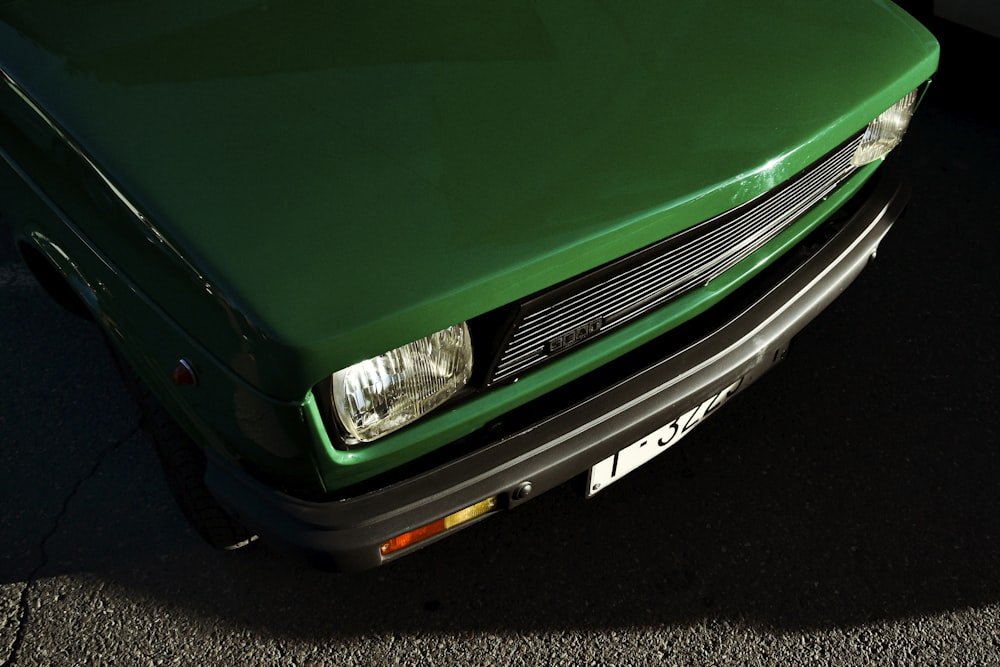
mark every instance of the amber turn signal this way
{"type": "Point", "coordinates": [430, 530]}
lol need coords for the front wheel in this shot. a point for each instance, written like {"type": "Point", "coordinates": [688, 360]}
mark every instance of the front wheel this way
{"type": "Point", "coordinates": [184, 467]}
{"type": "Point", "coordinates": [183, 464]}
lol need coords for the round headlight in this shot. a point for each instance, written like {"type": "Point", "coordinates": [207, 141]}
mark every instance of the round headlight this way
{"type": "Point", "coordinates": [379, 395]}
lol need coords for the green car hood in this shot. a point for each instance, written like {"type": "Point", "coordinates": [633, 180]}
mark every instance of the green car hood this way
{"type": "Point", "coordinates": [336, 178]}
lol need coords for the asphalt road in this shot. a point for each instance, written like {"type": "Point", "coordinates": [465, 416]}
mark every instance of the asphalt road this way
{"type": "Point", "coordinates": [842, 511]}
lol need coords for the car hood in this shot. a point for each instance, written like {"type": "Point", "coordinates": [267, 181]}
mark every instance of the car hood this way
{"type": "Point", "coordinates": [349, 176]}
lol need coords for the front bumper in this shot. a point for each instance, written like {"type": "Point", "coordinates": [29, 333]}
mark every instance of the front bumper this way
{"type": "Point", "coordinates": [545, 451]}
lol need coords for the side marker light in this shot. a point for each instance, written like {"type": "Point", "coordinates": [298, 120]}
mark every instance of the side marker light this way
{"type": "Point", "coordinates": [184, 374]}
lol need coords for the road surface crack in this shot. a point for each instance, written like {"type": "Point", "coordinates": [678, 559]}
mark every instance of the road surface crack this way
{"type": "Point", "coordinates": [24, 611]}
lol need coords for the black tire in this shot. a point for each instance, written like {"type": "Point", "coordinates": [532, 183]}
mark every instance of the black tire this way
{"type": "Point", "coordinates": [183, 464]}
{"type": "Point", "coordinates": [184, 467]}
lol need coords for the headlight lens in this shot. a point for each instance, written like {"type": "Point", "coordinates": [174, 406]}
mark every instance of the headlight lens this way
{"type": "Point", "coordinates": [382, 394]}
{"type": "Point", "coordinates": [885, 132]}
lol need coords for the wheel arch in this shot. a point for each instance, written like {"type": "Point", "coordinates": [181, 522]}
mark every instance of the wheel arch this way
{"type": "Point", "coordinates": [58, 275]}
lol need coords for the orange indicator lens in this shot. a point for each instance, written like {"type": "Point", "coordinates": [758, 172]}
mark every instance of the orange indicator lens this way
{"type": "Point", "coordinates": [439, 526]}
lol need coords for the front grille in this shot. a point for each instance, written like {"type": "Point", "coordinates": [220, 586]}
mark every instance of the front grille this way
{"type": "Point", "coordinates": [617, 293]}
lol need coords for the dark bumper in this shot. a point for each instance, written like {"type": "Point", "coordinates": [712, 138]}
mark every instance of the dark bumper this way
{"type": "Point", "coordinates": [346, 534]}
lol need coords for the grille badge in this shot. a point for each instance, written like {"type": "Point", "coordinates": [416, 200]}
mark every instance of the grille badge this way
{"type": "Point", "coordinates": [574, 337]}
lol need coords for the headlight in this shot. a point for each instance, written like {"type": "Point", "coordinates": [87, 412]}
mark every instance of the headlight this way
{"type": "Point", "coordinates": [885, 132]}
{"type": "Point", "coordinates": [382, 394]}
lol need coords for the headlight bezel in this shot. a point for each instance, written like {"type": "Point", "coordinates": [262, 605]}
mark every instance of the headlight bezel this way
{"type": "Point", "coordinates": [403, 362]}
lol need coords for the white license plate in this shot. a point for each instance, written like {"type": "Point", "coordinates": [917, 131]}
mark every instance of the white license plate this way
{"type": "Point", "coordinates": [616, 466]}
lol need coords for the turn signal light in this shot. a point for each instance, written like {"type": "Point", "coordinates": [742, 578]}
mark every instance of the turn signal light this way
{"type": "Point", "coordinates": [435, 528]}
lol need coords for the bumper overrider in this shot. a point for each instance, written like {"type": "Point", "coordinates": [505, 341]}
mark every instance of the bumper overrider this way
{"type": "Point", "coordinates": [541, 451]}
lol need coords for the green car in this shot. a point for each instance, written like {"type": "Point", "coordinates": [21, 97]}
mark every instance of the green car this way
{"type": "Point", "coordinates": [379, 270]}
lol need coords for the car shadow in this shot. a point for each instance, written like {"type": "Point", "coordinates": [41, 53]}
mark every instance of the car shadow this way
{"type": "Point", "coordinates": [853, 484]}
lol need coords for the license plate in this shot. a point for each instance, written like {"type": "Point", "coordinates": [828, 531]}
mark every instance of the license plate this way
{"type": "Point", "coordinates": [616, 466]}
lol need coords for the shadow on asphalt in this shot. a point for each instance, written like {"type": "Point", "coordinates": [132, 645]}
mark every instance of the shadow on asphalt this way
{"type": "Point", "coordinates": [858, 482]}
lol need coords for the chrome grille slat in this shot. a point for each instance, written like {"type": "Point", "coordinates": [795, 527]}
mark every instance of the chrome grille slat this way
{"type": "Point", "coordinates": [587, 311]}
{"type": "Point", "coordinates": [621, 297]}
{"type": "Point", "coordinates": [563, 313]}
